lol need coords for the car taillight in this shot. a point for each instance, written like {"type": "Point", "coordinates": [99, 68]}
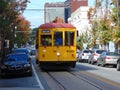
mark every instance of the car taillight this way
{"type": "Point", "coordinates": [107, 57]}
{"type": "Point", "coordinates": [83, 54]}
{"type": "Point", "coordinates": [95, 54]}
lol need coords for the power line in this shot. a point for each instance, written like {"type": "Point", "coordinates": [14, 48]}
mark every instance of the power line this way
{"type": "Point", "coordinates": [34, 9]}
{"type": "Point", "coordinates": [38, 9]}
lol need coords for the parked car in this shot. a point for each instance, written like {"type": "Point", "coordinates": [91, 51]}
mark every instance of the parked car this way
{"type": "Point", "coordinates": [33, 52]}
{"type": "Point", "coordinates": [94, 56]}
{"type": "Point", "coordinates": [17, 63]}
{"type": "Point", "coordinates": [77, 54]}
{"type": "Point", "coordinates": [84, 55]}
{"type": "Point", "coordinates": [118, 64]}
{"type": "Point", "coordinates": [21, 50]}
{"type": "Point", "coordinates": [108, 58]}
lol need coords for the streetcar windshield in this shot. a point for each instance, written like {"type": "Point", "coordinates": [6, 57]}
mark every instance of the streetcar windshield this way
{"type": "Point", "coordinates": [69, 38]}
{"type": "Point", "coordinates": [58, 40]}
{"type": "Point", "coordinates": [46, 40]}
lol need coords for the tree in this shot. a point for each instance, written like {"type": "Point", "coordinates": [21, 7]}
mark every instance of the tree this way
{"type": "Point", "coordinates": [3, 5]}
{"type": "Point", "coordinates": [84, 38]}
{"type": "Point", "coordinates": [94, 33]}
{"type": "Point", "coordinates": [101, 29]}
{"type": "Point", "coordinates": [115, 17]}
{"type": "Point", "coordinates": [9, 12]}
{"type": "Point", "coordinates": [4, 25]}
{"type": "Point", "coordinates": [23, 31]}
{"type": "Point", "coordinates": [95, 30]}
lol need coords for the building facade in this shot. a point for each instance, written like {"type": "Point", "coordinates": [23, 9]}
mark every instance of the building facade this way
{"type": "Point", "coordinates": [62, 9]}
{"type": "Point", "coordinates": [80, 19]}
{"type": "Point", "coordinates": [72, 5]}
{"type": "Point", "coordinates": [53, 10]}
{"type": "Point", "coordinates": [75, 4]}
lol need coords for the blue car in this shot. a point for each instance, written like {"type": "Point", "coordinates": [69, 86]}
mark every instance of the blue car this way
{"type": "Point", "coordinates": [16, 63]}
{"type": "Point", "coordinates": [22, 50]}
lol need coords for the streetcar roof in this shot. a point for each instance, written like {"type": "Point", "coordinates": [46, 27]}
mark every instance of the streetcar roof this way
{"type": "Point", "coordinates": [56, 25]}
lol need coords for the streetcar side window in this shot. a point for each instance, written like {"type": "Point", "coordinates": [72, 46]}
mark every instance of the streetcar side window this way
{"type": "Point", "coordinates": [46, 40]}
{"type": "Point", "coordinates": [58, 41]}
{"type": "Point", "coordinates": [69, 38]}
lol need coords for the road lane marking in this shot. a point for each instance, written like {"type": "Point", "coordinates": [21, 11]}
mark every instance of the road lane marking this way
{"type": "Point", "coordinates": [40, 84]}
{"type": "Point", "coordinates": [102, 79]}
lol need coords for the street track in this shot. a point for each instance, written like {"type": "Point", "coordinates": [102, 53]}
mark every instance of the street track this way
{"type": "Point", "coordinates": [56, 78]}
{"type": "Point", "coordinates": [58, 83]}
{"type": "Point", "coordinates": [86, 80]}
{"type": "Point", "coordinates": [78, 76]}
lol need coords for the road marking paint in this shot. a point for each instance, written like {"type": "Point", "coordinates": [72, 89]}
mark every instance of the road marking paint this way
{"type": "Point", "coordinates": [40, 84]}
{"type": "Point", "coordinates": [102, 79]}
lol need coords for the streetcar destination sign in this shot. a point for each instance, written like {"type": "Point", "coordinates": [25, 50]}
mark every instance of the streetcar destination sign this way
{"type": "Point", "coordinates": [45, 31]}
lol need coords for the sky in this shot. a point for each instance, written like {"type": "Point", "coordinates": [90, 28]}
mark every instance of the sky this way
{"type": "Point", "coordinates": [36, 17]}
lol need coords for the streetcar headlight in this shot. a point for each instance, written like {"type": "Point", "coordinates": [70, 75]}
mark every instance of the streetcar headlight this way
{"type": "Point", "coordinates": [58, 54]}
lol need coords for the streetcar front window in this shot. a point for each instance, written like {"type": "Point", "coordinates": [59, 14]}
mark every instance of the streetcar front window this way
{"type": "Point", "coordinates": [46, 40]}
{"type": "Point", "coordinates": [69, 38]}
{"type": "Point", "coordinates": [58, 41]}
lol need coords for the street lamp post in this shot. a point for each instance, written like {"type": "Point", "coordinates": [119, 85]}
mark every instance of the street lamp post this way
{"type": "Point", "coordinates": [14, 33]}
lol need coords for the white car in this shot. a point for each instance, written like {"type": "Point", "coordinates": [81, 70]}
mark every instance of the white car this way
{"type": "Point", "coordinates": [84, 55]}
{"type": "Point", "coordinates": [95, 55]}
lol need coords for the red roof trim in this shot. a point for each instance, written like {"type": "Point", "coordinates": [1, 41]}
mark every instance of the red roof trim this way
{"type": "Point", "coordinates": [56, 25]}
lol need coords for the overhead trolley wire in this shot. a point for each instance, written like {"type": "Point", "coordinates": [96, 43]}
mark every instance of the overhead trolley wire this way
{"type": "Point", "coordinates": [34, 9]}
{"type": "Point", "coordinates": [38, 9]}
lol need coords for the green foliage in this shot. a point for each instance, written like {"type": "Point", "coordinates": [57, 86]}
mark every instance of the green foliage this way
{"type": "Point", "coordinates": [106, 29]}
{"type": "Point", "coordinates": [84, 38]}
{"type": "Point", "coordinates": [80, 44]}
{"type": "Point", "coordinates": [3, 5]}
{"type": "Point", "coordinates": [9, 13]}
{"type": "Point", "coordinates": [4, 22]}
{"type": "Point", "coordinates": [114, 16]}
{"type": "Point", "coordinates": [34, 30]}
{"type": "Point", "coordinates": [94, 33]}
{"type": "Point", "coordinates": [118, 34]}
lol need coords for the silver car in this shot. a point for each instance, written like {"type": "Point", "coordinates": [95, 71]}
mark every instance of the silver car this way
{"type": "Point", "coordinates": [108, 58]}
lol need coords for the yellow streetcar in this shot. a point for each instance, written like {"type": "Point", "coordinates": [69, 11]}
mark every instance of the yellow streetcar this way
{"type": "Point", "coordinates": [56, 45]}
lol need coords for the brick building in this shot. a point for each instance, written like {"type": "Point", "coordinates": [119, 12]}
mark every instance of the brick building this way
{"type": "Point", "coordinates": [75, 4]}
